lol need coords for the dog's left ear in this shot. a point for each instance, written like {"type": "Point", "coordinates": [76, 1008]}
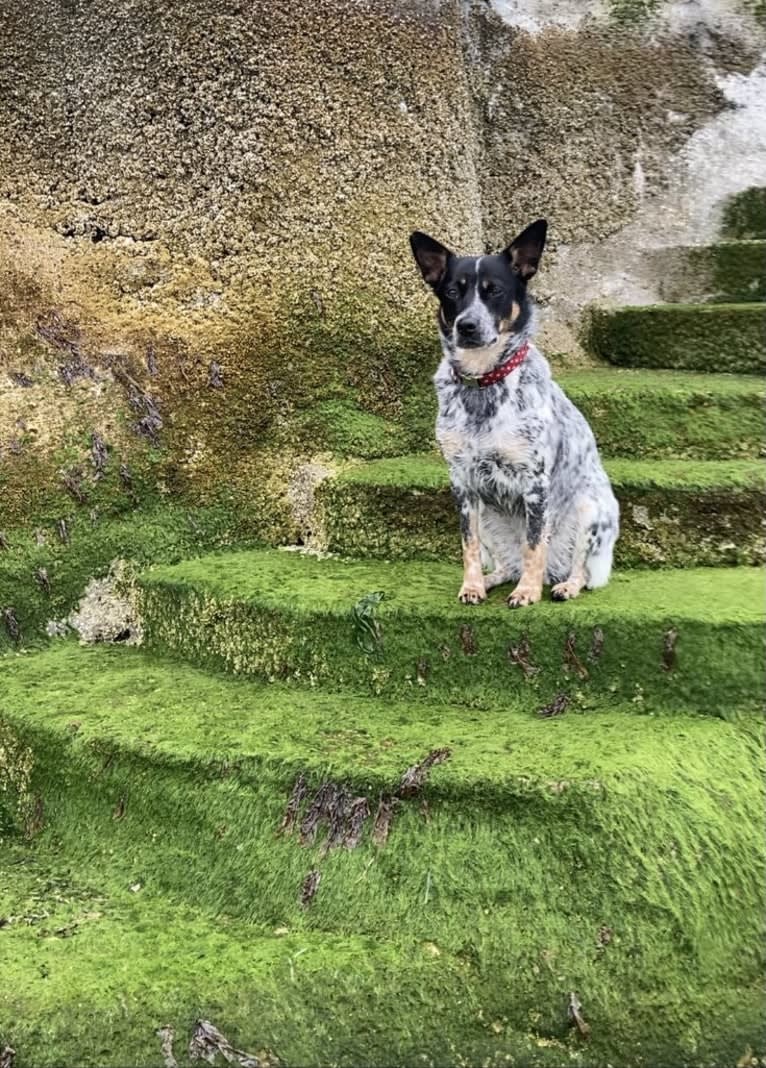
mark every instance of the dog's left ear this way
{"type": "Point", "coordinates": [525, 251]}
{"type": "Point", "coordinates": [431, 256]}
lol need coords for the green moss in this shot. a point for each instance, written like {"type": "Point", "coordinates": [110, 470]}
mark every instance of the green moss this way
{"type": "Point", "coordinates": [286, 615]}
{"type": "Point", "coordinates": [730, 271]}
{"type": "Point", "coordinates": [342, 428]}
{"type": "Point", "coordinates": [674, 513]}
{"type": "Point", "coordinates": [693, 337]}
{"type": "Point", "coordinates": [460, 939]}
{"type": "Point", "coordinates": [633, 12]}
{"type": "Point", "coordinates": [744, 215]}
{"type": "Point", "coordinates": [169, 533]}
{"type": "Point", "coordinates": [647, 413]}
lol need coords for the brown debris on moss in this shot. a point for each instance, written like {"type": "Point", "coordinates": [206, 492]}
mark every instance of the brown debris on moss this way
{"type": "Point", "coordinates": [309, 887]}
{"type": "Point", "coordinates": [557, 707]}
{"type": "Point", "coordinates": [384, 815]}
{"type": "Point", "coordinates": [520, 655]}
{"type": "Point", "coordinates": [574, 1014]}
{"type": "Point", "coordinates": [207, 1042]}
{"type": "Point", "coordinates": [415, 776]}
{"type": "Point", "coordinates": [571, 659]}
{"type": "Point", "coordinates": [669, 649]}
{"type": "Point", "coordinates": [293, 805]}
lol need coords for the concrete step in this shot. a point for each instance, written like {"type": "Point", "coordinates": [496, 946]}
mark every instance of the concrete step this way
{"type": "Point", "coordinates": [729, 272]}
{"type": "Point", "coordinates": [744, 215]}
{"type": "Point", "coordinates": [674, 513]}
{"type": "Point", "coordinates": [290, 615]}
{"type": "Point", "coordinates": [645, 414]}
{"type": "Point", "coordinates": [684, 337]}
{"type": "Point", "coordinates": [148, 885]}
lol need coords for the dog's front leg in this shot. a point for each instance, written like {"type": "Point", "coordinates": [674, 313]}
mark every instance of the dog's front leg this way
{"type": "Point", "coordinates": [535, 551]}
{"type": "Point", "coordinates": [472, 591]}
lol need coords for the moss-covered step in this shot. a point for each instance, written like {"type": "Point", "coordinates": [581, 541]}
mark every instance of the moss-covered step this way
{"type": "Point", "coordinates": [730, 271]}
{"type": "Point", "coordinates": [595, 853]}
{"type": "Point", "coordinates": [646, 414]}
{"type": "Point", "coordinates": [649, 414]}
{"type": "Point", "coordinates": [744, 214]}
{"type": "Point", "coordinates": [693, 638]}
{"type": "Point", "coordinates": [674, 513]}
{"type": "Point", "coordinates": [684, 337]}
{"type": "Point", "coordinates": [98, 976]}
{"type": "Point", "coordinates": [44, 572]}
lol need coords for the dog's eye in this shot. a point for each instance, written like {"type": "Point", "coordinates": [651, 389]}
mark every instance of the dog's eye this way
{"type": "Point", "coordinates": [492, 290]}
{"type": "Point", "coordinates": [452, 293]}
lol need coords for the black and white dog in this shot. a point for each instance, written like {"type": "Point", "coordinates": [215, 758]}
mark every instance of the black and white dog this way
{"type": "Point", "coordinates": [524, 467]}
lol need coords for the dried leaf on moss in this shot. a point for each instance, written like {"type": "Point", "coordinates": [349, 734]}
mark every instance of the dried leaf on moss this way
{"type": "Point", "coordinates": [310, 887]}
{"type": "Point", "coordinates": [467, 639]}
{"type": "Point", "coordinates": [669, 650]}
{"type": "Point", "coordinates": [207, 1042]}
{"type": "Point", "coordinates": [571, 659]}
{"type": "Point", "coordinates": [357, 812]}
{"type": "Point", "coordinates": [42, 580]}
{"type": "Point", "coordinates": [293, 805]}
{"type": "Point", "coordinates": [166, 1034]}
{"type": "Point", "coordinates": [383, 817]}
{"type": "Point", "coordinates": [557, 707]}
{"type": "Point", "coordinates": [521, 655]}
{"type": "Point", "coordinates": [596, 645]}
{"type": "Point", "coordinates": [12, 624]}
{"type": "Point", "coordinates": [574, 1013]}
{"type": "Point", "coordinates": [414, 777]}
{"type": "Point", "coordinates": [318, 811]}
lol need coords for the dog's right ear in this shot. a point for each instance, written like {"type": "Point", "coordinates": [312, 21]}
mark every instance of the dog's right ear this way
{"type": "Point", "coordinates": [432, 258]}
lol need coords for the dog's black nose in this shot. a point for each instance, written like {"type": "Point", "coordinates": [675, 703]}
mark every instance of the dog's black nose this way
{"type": "Point", "coordinates": [467, 326]}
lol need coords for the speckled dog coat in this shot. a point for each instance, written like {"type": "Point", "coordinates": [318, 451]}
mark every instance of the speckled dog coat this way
{"type": "Point", "coordinates": [534, 500]}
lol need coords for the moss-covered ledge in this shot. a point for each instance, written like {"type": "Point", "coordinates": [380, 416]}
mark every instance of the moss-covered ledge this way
{"type": "Point", "coordinates": [673, 639]}
{"type": "Point", "coordinates": [674, 513]}
{"type": "Point", "coordinates": [590, 843]}
{"type": "Point", "coordinates": [43, 574]}
{"type": "Point", "coordinates": [684, 337]}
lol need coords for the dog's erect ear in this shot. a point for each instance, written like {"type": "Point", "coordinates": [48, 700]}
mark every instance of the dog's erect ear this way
{"type": "Point", "coordinates": [525, 251]}
{"type": "Point", "coordinates": [432, 258]}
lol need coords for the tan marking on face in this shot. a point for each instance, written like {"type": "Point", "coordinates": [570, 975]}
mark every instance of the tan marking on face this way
{"type": "Point", "coordinates": [506, 325]}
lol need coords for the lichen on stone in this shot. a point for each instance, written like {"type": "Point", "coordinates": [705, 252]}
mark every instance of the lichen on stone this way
{"type": "Point", "coordinates": [108, 610]}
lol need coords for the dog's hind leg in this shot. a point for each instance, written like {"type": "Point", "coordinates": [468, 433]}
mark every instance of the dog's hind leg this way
{"type": "Point", "coordinates": [597, 526]}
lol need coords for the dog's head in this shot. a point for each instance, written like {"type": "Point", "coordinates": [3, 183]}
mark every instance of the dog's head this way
{"type": "Point", "coordinates": [483, 299]}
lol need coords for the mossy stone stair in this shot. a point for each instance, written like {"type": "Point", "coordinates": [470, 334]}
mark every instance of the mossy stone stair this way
{"type": "Point", "coordinates": [286, 615]}
{"type": "Point", "coordinates": [686, 337]}
{"type": "Point", "coordinates": [673, 513]}
{"type": "Point", "coordinates": [583, 854]}
{"type": "Point", "coordinates": [719, 320]}
{"type": "Point", "coordinates": [592, 826]}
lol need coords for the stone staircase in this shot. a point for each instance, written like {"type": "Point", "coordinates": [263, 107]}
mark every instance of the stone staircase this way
{"type": "Point", "coordinates": [509, 815]}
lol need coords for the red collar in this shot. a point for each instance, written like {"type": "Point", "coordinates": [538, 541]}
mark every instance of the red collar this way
{"type": "Point", "coordinates": [496, 375]}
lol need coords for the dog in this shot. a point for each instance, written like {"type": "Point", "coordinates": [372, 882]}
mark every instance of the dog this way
{"type": "Point", "coordinates": [534, 501]}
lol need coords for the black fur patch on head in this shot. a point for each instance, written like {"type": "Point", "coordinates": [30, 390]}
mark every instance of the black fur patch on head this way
{"type": "Point", "coordinates": [496, 285]}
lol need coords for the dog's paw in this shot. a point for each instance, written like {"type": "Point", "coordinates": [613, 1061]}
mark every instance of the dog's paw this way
{"type": "Point", "coordinates": [471, 593]}
{"type": "Point", "coordinates": [565, 591]}
{"type": "Point", "coordinates": [524, 595]}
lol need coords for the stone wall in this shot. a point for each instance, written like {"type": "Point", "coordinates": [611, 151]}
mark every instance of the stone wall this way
{"type": "Point", "coordinates": [204, 209]}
